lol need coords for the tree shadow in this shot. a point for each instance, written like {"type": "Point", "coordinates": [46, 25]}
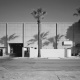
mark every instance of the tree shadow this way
{"type": "Point", "coordinates": [53, 41]}
{"type": "Point", "coordinates": [73, 34]}
{"type": "Point", "coordinates": [4, 39]}
{"type": "Point", "coordinates": [35, 38]}
{"type": "Point", "coordinates": [44, 37]}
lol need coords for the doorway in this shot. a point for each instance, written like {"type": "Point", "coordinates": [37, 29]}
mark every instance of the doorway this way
{"type": "Point", "coordinates": [16, 49]}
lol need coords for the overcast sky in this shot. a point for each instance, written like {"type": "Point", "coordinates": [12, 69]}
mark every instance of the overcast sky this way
{"type": "Point", "coordinates": [57, 10]}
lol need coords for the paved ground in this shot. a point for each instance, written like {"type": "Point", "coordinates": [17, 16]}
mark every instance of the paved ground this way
{"type": "Point", "coordinates": [39, 69]}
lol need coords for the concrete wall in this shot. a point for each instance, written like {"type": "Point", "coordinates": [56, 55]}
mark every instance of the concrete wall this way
{"type": "Point", "coordinates": [14, 32]}
{"type": "Point", "coordinates": [2, 34]}
{"type": "Point", "coordinates": [50, 53]}
{"type": "Point", "coordinates": [33, 53]}
{"type": "Point", "coordinates": [65, 31]}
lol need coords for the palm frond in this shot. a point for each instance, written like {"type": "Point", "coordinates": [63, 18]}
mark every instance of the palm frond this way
{"type": "Point", "coordinates": [78, 10]}
{"type": "Point", "coordinates": [75, 14]}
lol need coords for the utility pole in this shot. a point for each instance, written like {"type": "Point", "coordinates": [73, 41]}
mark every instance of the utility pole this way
{"type": "Point", "coordinates": [39, 14]}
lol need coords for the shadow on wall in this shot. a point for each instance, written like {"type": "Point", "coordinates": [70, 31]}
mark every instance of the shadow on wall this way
{"type": "Point", "coordinates": [73, 34]}
{"type": "Point", "coordinates": [51, 40]}
{"type": "Point", "coordinates": [35, 39]}
{"type": "Point", "coordinates": [4, 39]}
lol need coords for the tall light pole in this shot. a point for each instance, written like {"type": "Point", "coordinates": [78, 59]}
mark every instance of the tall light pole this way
{"type": "Point", "coordinates": [39, 14]}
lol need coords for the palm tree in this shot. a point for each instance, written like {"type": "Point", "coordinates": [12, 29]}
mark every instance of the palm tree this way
{"type": "Point", "coordinates": [78, 12]}
{"type": "Point", "coordinates": [3, 40]}
{"type": "Point", "coordinates": [38, 14]}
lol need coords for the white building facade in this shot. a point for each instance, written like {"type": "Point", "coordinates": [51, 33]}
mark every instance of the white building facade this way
{"type": "Point", "coordinates": [21, 39]}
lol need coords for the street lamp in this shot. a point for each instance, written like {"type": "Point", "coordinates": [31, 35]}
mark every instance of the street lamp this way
{"type": "Point", "coordinates": [39, 14]}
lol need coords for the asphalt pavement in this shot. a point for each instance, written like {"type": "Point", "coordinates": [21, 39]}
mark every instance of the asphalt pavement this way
{"type": "Point", "coordinates": [39, 69]}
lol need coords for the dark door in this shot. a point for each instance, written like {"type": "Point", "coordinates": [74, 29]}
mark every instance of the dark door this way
{"type": "Point", "coordinates": [17, 49]}
{"type": "Point", "coordinates": [1, 52]}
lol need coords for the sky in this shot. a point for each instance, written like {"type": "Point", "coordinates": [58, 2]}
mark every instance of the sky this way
{"type": "Point", "coordinates": [20, 10]}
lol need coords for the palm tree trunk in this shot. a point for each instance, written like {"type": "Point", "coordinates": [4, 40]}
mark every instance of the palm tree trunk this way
{"type": "Point", "coordinates": [6, 41]}
{"type": "Point", "coordinates": [39, 38]}
{"type": "Point", "coordinates": [56, 35]}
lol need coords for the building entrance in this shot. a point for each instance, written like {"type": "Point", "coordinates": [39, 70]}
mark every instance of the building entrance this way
{"type": "Point", "coordinates": [16, 49]}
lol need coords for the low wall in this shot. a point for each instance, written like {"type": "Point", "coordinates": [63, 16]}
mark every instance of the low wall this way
{"type": "Point", "coordinates": [33, 53]}
{"type": "Point", "coordinates": [51, 53]}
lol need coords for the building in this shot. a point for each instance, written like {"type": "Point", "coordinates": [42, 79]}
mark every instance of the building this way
{"type": "Point", "coordinates": [14, 37]}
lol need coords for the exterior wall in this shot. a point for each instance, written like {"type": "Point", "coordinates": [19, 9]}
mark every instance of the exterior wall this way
{"type": "Point", "coordinates": [14, 32]}
{"type": "Point", "coordinates": [50, 29]}
{"type": "Point", "coordinates": [47, 53]}
{"type": "Point", "coordinates": [29, 36]}
{"type": "Point", "coordinates": [52, 53]}
{"type": "Point", "coordinates": [30, 29]}
{"type": "Point", "coordinates": [62, 31]}
{"type": "Point", "coordinates": [2, 35]}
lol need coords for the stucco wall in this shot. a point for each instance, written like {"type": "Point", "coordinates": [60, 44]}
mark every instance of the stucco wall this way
{"type": "Point", "coordinates": [2, 34]}
{"type": "Point", "coordinates": [65, 31]}
{"type": "Point", "coordinates": [15, 30]}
